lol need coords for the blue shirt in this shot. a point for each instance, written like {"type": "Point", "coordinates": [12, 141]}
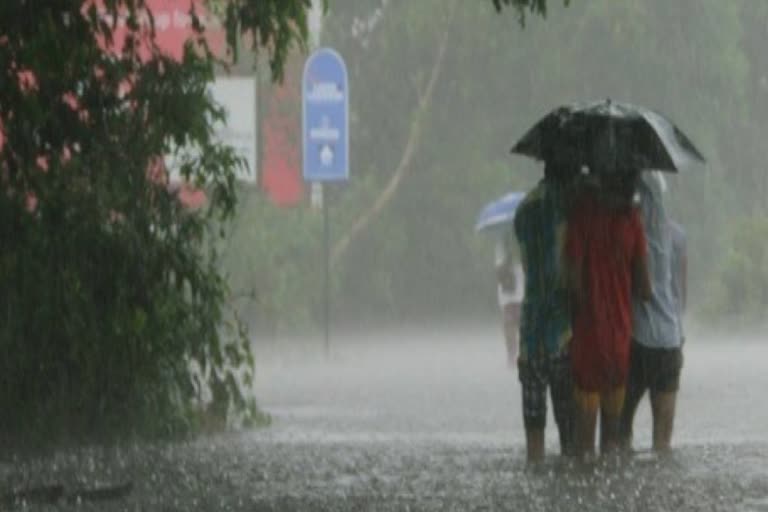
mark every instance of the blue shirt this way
{"type": "Point", "coordinates": [545, 320]}
{"type": "Point", "coordinates": [656, 322]}
{"type": "Point", "coordinates": [679, 250]}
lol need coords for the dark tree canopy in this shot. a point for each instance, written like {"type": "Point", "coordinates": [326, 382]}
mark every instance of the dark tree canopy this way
{"type": "Point", "coordinates": [523, 6]}
{"type": "Point", "coordinates": [115, 312]}
{"type": "Point", "coordinates": [277, 25]}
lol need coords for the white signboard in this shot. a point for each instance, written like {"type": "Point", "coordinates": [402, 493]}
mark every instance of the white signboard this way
{"type": "Point", "coordinates": [237, 96]}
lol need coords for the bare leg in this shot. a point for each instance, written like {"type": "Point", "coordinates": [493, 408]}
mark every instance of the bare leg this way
{"type": "Point", "coordinates": [511, 333]}
{"type": "Point", "coordinates": [534, 440]}
{"type": "Point", "coordinates": [612, 403]}
{"type": "Point", "coordinates": [609, 432]}
{"type": "Point", "coordinates": [585, 427]}
{"type": "Point", "coordinates": [604, 437]}
{"type": "Point", "coordinates": [534, 391]}
{"type": "Point", "coordinates": [635, 394]}
{"type": "Point", "coordinates": [586, 422]}
{"type": "Point", "coordinates": [636, 386]}
{"type": "Point", "coordinates": [663, 408]}
{"type": "Point", "coordinates": [563, 403]}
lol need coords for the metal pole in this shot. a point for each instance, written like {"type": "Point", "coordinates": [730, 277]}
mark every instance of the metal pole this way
{"type": "Point", "coordinates": [327, 264]}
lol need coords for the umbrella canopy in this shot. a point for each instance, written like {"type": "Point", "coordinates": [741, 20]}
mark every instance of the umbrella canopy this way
{"type": "Point", "coordinates": [499, 212]}
{"type": "Point", "coordinates": [609, 135]}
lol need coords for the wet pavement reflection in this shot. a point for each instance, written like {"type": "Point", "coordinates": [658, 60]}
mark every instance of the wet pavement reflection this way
{"type": "Point", "coordinates": [408, 421]}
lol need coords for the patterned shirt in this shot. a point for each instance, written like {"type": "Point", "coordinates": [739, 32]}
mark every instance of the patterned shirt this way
{"type": "Point", "coordinates": [545, 323]}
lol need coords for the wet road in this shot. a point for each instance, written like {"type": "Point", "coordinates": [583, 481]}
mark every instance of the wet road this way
{"type": "Point", "coordinates": [393, 423]}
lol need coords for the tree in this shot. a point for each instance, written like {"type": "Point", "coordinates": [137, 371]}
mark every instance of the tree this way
{"type": "Point", "coordinates": [521, 6]}
{"type": "Point", "coordinates": [113, 306]}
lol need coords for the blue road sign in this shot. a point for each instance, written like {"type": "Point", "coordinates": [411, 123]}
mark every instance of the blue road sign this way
{"type": "Point", "coordinates": [325, 127]}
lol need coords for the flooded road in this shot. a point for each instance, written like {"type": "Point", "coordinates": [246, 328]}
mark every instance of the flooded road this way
{"type": "Point", "coordinates": [407, 421]}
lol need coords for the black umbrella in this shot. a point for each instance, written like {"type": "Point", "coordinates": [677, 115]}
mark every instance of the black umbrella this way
{"type": "Point", "coordinates": [609, 135]}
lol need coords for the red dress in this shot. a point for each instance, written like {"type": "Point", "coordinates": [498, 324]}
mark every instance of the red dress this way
{"type": "Point", "coordinates": [604, 244]}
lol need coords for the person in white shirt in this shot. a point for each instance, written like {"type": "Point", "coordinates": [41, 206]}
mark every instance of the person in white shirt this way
{"type": "Point", "coordinates": [510, 277]}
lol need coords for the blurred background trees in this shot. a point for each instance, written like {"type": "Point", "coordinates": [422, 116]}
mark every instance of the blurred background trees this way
{"type": "Point", "coordinates": [418, 259]}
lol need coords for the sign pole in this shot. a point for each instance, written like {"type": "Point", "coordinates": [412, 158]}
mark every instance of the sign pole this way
{"type": "Point", "coordinates": [325, 141]}
{"type": "Point", "coordinates": [327, 285]}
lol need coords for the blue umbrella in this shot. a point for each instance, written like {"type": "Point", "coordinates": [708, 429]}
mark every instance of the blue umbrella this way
{"type": "Point", "coordinates": [500, 211]}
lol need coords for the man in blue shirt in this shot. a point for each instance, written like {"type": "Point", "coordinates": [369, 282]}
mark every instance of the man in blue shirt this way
{"type": "Point", "coordinates": [656, 353]}
{"type": "Point", "coordinates": [545, 323]}
{"type": "Point", "coordinates": [679, 271]}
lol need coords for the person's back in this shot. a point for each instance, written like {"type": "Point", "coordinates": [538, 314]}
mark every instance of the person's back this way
{"type": "Point", "coordinates": [545, 326]}
{"type": "Point", "coordinates": [604, 243]}
{"type": "Point", "coordinates": [656, 321]}
{"type": "Point", "coordinates": [605, 253]}
{"type": "Point", "coordinates": [510, 286]}
{"type": "Point", "coordinates": [540, 227]}
{"type": "Point", "coordinates": [656, 356]}
{"type": "Point", "coordinates": [679, 271]}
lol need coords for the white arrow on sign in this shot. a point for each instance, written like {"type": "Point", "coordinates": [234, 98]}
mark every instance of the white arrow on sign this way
{"type": "Point", "coordinates": [326, 155]}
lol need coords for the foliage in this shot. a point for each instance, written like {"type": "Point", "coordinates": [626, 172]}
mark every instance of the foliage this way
{"type": "Point", "coordinates": [273, 261]}
{"type": "Point", "coordinates": [741, 285]}
{"type": "Point", "coordinates": [534, 6]}
{"type": "Point", "coordinates": [272, 24]}
{"type": "Point", "coordinates": [113, 305]}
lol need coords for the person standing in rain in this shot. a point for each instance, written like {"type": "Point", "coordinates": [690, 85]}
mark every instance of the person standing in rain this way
{"type": "Point", "coordinates": [605, 254]}
{"type": "Point", "coordinates": [545, 324]}
{"type": "Point", "coordinates": [509, 274]}
{"type": "Point", "coordinates": [656, 354]}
